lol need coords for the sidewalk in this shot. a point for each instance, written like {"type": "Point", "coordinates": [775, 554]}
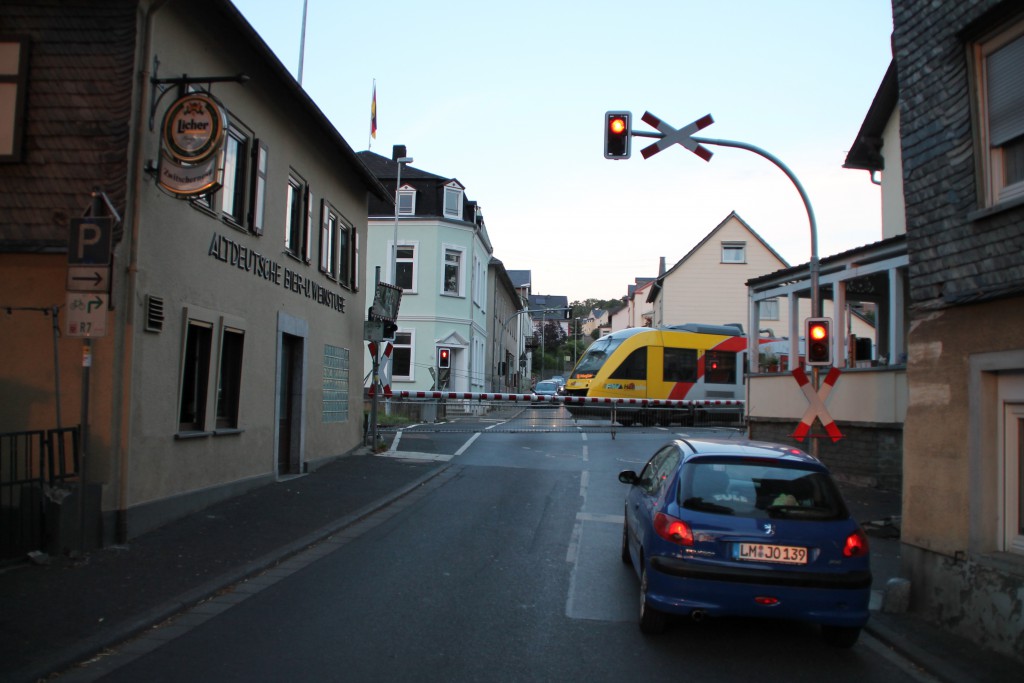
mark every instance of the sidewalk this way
{"type": "Point", "coordinates": [55, 615]}
{"type": "Point", "coordinates": [934, 650]}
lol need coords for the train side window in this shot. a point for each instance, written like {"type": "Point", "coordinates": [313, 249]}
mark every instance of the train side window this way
{"type": "Point", "coordinates": [634, 367]}
{"type": "Point", "coordinates": [719, 367]}
{"type": "Point", "coordinates": [680, 365]}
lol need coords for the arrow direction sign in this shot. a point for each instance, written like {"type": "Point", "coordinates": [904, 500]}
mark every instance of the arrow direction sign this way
{"type": "Point", "coordinates": [86, 314]}
{"type": "Point", "coordinates": [88, 278]}
{"type": "Point", "coordinates": [673, 136]}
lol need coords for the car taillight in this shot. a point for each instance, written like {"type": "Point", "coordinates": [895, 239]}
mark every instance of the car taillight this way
{"type": "Point", "coordinates": [856, 544]}
{"type": "Point", "coordinates": [673, 530]}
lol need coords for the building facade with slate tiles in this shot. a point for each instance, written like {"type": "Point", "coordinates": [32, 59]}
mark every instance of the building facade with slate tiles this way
{"type": "Point", "coordinates": [960, 68]}
{"type": "Point", "coordinates": [227, 349]}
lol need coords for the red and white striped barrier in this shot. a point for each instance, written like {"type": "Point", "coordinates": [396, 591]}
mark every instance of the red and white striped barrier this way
{"type": "Point", "coordinates": [575, 400]}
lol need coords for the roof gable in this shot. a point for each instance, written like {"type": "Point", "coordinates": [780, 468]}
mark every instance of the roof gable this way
{"type": "Point", "coordinates": [732, 219]}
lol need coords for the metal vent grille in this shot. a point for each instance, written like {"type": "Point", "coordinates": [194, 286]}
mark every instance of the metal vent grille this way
{"type": "Point", "coordinates": [154, 313]}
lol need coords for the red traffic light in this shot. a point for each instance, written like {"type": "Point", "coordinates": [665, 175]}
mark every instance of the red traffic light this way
{"type": "Point", "coordinates": [617, 135]}
{"type": "Point", "coordinates": [819, 341]}
{"type": "Point", "coordinates": [444, 358]}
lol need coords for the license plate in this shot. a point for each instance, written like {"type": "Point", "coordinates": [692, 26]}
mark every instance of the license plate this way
{"type": "Point", "coordinates": [764, 552]}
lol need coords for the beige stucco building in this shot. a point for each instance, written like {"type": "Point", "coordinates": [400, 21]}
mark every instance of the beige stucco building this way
{"type": "Point", "coordinates": [232, 349]}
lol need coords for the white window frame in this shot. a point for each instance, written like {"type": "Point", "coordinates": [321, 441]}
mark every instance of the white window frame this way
{"type": "Point", "coordinates": [217, 324]}
{"type": "Point", "coordinates": [479, 281]}
{"type": "Point", "coordinates": [408, 206]}
{"type": "Point", "coordinates": [453, 192]}
{"type": "Point", "coordinates": [329, 228]}
{"type": "Point", "coordinates": [243, 178]}
{"type": "Point", "coordinates": [298, 217]}
{"type": "Point", "coordinates": [994, 185]}
{"type": "Point", "coordinates": [461, 283]}
{"type": "Point", "coordinates": [733, 248]}
{"type": "Point", "coordinates": [1011, 460]}
{"type": "Point", "coordinates": [768, 309]}
{"type": "Point", "coordinates": [237, 171]}
{"type": "Point", "coordinates": [411, 377]}
{"type": "Point", "coordinates": [339, 253]}
{"type": "Point", "coordinates": [415, 246]}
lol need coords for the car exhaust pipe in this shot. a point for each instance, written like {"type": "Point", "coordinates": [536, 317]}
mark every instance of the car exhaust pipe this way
{"type": "Point", "coordinates": [698, 615]}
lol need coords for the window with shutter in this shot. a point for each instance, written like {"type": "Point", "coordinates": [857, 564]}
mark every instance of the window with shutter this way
{"type": "Point", "coordinates": [999, 68]}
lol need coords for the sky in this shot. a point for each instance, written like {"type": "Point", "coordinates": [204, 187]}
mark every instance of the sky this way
{"type": "Point", "coordinates": [509, 98]}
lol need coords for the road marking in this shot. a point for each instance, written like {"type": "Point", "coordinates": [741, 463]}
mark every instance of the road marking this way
{"type": "Point", "coordinates": [413, 455]}
{"type": "Point", "coordinates": [594, 517]}
{"type": "Point", "coordinates": [468, 443]}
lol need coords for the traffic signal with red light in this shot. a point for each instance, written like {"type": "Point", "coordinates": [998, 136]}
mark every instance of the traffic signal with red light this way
{"type": "Point", "coordinates": [617, 135]}
{"type": "Point", "coordinates": [819, 341]}
{"type": "Point", "coordinates": [444, 357]}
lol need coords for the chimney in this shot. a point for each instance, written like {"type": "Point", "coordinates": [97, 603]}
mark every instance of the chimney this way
{"type": "Point", "coordinates": [397, 152]}
{"type": "Point", "coordinates": [661, 266]}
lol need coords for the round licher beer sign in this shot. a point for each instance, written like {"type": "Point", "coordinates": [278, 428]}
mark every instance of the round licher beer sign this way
{"type": "Point", "coordinates": [193, 128]}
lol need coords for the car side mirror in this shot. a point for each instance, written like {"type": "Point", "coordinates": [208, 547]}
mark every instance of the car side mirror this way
{"type": "Point", "coordinates": [629, 477]}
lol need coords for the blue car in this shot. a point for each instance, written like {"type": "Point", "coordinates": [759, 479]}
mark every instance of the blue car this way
{"type": "Point", "coordinates": [747, 529]}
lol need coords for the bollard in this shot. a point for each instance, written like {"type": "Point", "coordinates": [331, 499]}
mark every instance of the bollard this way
{"type": "Point", "coordinates": [896, 596]}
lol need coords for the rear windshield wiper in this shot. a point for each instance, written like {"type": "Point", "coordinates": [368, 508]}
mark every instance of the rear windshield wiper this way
{"type": "Point", "coordinates": [800, 511]}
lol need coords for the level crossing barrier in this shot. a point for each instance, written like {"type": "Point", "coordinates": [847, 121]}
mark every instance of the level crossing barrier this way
{"type": "Point", "coordinates": [511, 412]}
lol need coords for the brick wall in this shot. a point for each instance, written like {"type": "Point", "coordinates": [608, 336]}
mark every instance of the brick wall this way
{"type": "Point", "coordinates": [868, 455]}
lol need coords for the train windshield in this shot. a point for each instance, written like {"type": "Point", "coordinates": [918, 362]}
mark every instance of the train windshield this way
{"type": "Point", "coordinates": [595, 357]}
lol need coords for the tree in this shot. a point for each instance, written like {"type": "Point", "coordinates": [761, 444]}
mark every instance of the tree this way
{"type": "Point", "coordinates": [554, 335]}
{"type": "Point", "coordinates": [581, 309]}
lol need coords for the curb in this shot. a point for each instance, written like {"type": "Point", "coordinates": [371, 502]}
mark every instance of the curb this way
{"type": "Point", "coordinates": [119, 633]}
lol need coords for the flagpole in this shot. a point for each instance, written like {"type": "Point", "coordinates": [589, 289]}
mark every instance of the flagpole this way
{"type": "Point", "coordinates": [302, 40]}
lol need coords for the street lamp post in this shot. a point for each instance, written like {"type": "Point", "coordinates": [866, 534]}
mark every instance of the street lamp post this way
{"type": "Point", "coordinates": [394, 243]}
{"type": "Point", "coordinates": [575, 343]}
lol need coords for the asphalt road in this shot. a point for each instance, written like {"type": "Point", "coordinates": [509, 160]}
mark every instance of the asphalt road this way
{"type": "Point", "coordinates": [504, 569]}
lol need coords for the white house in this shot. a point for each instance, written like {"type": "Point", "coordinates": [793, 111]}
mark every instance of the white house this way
{"type": "Point", "coordinates": [441, 264]}
{"type": "Point", "coordinates": [708, 285]}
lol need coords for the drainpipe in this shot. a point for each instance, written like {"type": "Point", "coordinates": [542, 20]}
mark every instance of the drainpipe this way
{"type": "Point", "coordinates": [661, 297]}
{"type": "Point", "coordinates": [124, 327]}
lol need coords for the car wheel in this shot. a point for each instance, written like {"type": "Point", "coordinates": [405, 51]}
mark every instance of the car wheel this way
{"type": "Point", "coordinates": [626, 559]}
{"type": "Point", "coordinates": [840, 636]}
{"type": "Point", "coordinates": [651, 620]}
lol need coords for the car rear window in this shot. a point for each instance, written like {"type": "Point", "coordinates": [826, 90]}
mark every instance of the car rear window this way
{"type": "Point", "coordinates": [756, 489]}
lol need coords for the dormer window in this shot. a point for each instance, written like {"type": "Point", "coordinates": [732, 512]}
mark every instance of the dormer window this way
{"type": "Point", "coordinates": [453, 200]}
{"type": "Point", "coordinates": [406, 201]}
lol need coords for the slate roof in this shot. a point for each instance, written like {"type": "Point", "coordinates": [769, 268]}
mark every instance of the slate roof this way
{"type": "Point", "coordinates": [866, 152]}
{"type": "Point", "coordinates": [521, 278]}
{"type": "Point", "coordinates": [429, 189]}
{"type": "Point", "coordinates": [548, 301]}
